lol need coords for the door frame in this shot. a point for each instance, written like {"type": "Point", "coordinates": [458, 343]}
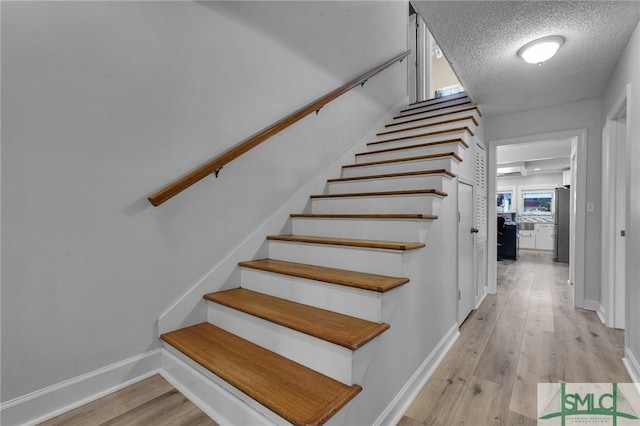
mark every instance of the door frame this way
{"type": "Point", "coordinates": [417, 62]}
{"type": "Point", "coordinates": [615, 149]}
{"type": "Point", "coordinates": [473, 268]}
{"type": "Point", "coordinates": [580, 206]}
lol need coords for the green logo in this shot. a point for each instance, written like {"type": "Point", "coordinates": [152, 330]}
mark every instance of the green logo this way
{"type": "Point", "coordinates": [613, 404]}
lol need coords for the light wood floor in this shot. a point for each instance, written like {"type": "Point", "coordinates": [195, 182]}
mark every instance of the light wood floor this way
{"type": "Point", "coordinates": [150, 402]}
{"type": "Point", "coordinates": [527, 333]}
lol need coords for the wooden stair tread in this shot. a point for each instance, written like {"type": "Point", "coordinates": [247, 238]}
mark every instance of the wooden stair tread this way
{"type": "Point", "coordinates": [394, 175]}
{"type": "Point", "coordinates": [436, 123]}
{"type": "Point", "coordinates": [349, 242]}
{"type": "Point", "coordinates": [422, 105]}
{"type": "Point", "coordinates": [437, 108]}
{"type": "Point", "coordinates": [296, 393]}
{"type": "Point", "coordinates": [435, 101]}
{"type": "Point", "coordinates": [423, 135]}
{"type": "Point", "coordinates": [441, 114]}
{"type": "Point", "coordinates": [421, 145]}
{"type": "Point", "coordinates": [347, 331]}
{"type": "Point", "coordinates": [426, 191]}
{"type": "Point", "coordinates": [364, 216]}
{"type": "Point", "coordinates": [343, 277]}
{"type": "Point", "coordinates": [399, 160]}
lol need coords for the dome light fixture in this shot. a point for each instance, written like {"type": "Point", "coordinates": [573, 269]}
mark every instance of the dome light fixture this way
{"type": "Point", "coordinates": [540, 50]}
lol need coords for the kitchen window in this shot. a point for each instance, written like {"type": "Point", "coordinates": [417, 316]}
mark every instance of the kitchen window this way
{"type": "Point", "coordinates": [540, 202]}
{"type": "Point", "coordinates": [505, 201]}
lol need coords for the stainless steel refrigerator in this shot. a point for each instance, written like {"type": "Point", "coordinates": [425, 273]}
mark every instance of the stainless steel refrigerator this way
{"type": "Point", "coordinates": [562, 214]}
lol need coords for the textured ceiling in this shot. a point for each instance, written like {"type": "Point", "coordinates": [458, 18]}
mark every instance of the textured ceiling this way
{"type": "Point", "coordinates": [481, 39]}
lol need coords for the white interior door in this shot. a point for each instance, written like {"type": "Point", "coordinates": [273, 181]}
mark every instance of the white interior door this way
{"type": "Point", "coordinates": [466, 245]}
{"type": "Point", "coordinates": [622, 183]}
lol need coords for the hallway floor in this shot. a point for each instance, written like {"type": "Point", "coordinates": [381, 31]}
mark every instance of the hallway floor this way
{"type": "Point", "coordinates": [152, 401]}
{"type": "Point", "coordinates": [527, 333]}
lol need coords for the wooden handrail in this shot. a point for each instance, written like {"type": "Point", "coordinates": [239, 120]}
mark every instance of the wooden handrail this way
{"type": "Point", "coordinates": [214, 165]}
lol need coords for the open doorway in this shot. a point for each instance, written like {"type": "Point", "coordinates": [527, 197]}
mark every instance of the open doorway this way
{"type": "Point", "coordinates": [533, 198]}
{"type": "Point", "coordinates": [615, 196]}
{"type": "Point", "coordinates": [429, 73]}
{"type": "Point", "coordinates": [576, 179]}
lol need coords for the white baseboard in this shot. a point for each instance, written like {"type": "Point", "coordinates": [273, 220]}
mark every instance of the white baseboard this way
{"type": "Point", "coordinates": [601, 314]}
{"type": "Point", "coordinates": [400, 404]}
{"type": "Point", "coordinates": [481, 298]}
{"type": "Point", "coordinates": [591, 305]}
{"type": "Point", "coordinates": [632, 366]}
{"type": "Point", "coordinates": [57, 399]}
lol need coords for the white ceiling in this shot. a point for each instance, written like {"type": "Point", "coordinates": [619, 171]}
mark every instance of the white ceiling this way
{"type": "Point", "coordinates": [481, 39]}
{"type": "Point", "coordinates": [551, 156]}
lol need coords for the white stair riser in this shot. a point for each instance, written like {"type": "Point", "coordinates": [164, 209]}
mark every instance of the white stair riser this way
{"type": "Point", "coordinates": [392, 204]}
{"type": "Point", "coordinates": [456, 147]}
{"type": "Point", "coordinates": [325, 357]}
{"type": "Point", "coordinates": [433, 181]}
{"type": "Point", "coordinates": [417, 121]}
{"type": "Point", "coordinates": [332, 297]}
{"type": "Point", "coordinates": [433, 114]}
{"type": "Point", "coordinates": [446, 163]}
{"type": "Point", "coordinates": [372, 229]}
{"type": "Point", "coordinates": [372, 261]}
{"type": "Point", "coordinates": [399, 132]}
{"type": "Point", "coordinates": [458, 134]}
{"type": "Point", "coordinates": [439, 106]}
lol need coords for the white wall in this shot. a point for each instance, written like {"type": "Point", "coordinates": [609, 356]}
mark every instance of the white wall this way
{"type": "Point", "coordinates": [105, 102]}
{"type": "Point", "coordinates": [542, 150]}
{"type": "Point", "coordinates": [423, 314]}
{"type": "Point", "coordinates": [534, 179]}
{"type": "Point", "coordinates": [578, 115]}
{"type": "Point", "coordinates": [441, 74]}
{"type": "Point", "coordinates": [625, 73]}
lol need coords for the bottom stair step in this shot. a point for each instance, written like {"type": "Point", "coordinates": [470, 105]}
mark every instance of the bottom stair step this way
{"type": "Point", "coordinates": [298, 394]}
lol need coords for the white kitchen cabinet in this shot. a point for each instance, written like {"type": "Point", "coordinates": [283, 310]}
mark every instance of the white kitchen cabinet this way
{"type": "Point", "coordinates": [527, 239]}
{"type": "Point", "coordinates": [545, 236]}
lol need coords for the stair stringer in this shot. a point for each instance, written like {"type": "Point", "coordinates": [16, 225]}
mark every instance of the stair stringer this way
{"type": "Point", "coordinates": [421, 331]}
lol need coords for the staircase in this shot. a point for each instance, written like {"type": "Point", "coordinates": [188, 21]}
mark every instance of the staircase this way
{"type": "Point", "coordinates": [304, 326]}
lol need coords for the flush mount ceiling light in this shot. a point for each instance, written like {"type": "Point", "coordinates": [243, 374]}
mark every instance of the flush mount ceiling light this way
{"type": "Point", "coordinates": [538, 51]}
